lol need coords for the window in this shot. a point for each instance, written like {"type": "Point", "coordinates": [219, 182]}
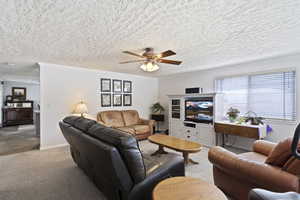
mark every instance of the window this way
{"type": "Point", "coordinates": [269, 95]}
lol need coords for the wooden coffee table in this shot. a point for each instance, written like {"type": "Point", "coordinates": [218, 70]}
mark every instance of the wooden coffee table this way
{"type": "Point", "coordinates": [176, 144]}
{"type": "Point", "coordinates": [183, 188]}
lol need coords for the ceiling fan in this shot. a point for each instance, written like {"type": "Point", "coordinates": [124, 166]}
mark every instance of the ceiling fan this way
{"type": "Point", "coordinates": [150, 59]}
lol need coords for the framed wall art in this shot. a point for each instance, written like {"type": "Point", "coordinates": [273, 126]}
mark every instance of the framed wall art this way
{"type": "Point", "coordinates": [117, 85]}
{"type": "Point", "coordinates": [127, 100]}
{"type": "Point", "coordinates": [117, 99]}
{"type": "Point", "coordinates": [19, 93]}
{"type": "Point", "coordinates": [105, 100]}
{"type": "Point", "coordinates": [105, 84]}
{"type": "Point", "coordinates": [127, 86]}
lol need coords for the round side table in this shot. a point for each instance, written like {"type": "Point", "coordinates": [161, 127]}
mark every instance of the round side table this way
{"type": "Point", "coordinates": [183, 188]}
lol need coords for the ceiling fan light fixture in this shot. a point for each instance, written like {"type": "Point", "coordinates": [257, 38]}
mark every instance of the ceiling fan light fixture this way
{"type": "Point", "coordinates": [149, 67]}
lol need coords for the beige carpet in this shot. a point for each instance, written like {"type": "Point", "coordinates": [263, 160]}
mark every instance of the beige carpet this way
{"type": "Point", "coordinates": [51, 175]}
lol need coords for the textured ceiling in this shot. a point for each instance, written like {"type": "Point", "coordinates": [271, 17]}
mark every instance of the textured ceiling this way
{"type": "Point", "coordinates": [206, 33]}
{"type": "Point", "coordinates": [21, 72]}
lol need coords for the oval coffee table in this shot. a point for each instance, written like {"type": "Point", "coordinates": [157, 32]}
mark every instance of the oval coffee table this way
{"type": "Point", "coordinates": [183, 188]}
{"type": "Point", "coordinates": [176, 144]}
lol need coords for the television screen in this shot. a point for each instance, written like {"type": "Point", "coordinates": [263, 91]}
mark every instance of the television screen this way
{"type": "Point", "coordinates": [199, 110]}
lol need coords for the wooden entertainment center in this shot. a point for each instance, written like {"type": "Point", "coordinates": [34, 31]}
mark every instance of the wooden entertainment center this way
{"type": "Point", "coordinates": [201, 131]}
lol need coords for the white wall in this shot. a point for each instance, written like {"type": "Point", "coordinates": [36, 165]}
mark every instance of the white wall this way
{"type": "Point", "coordinates": [62, 87]}
{"type": "Point", "coordinates": [32, 90]}
{"type": "Point", "coordinates": [1, 102]}
{"type": "Point", "coordinates": [176, 84]}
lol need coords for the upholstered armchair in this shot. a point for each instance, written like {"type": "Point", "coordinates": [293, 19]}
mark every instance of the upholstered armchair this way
{"type": "Point", "coordinates": [237, 174]}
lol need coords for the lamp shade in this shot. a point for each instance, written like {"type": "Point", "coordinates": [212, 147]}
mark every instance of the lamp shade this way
{"type": "Point", "coordinates": [81, 108]}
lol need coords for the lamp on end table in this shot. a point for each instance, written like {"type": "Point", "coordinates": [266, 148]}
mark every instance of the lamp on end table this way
{"type": "Point", "coordinates": [81, 109]}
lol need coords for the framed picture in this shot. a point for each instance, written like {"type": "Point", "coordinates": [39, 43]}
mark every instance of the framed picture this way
{"type": "Point", "coordinates": [105, 85]}
{"type": "Point", "coordinates": [19, 93]}
{"type": "Point", "coordinates": [127, 100]}
{"type": "Point", "coordinates": [117, 85]}
{"type": "Point", "coordinates": [117, 99]}
{"type": "Point", "coordinates": [127, 86]}
{"type": "Point", "coordinates": [105, 100]}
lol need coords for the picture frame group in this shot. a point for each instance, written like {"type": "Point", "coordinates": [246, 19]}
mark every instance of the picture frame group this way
{"type": "Point", "coordinates": [115, 92]}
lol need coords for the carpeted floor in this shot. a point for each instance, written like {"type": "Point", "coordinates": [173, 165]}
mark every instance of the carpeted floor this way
{"type": "Point", "coordinates": [51, 174]}
{"type": "Point", "coordinates": [15, 139]}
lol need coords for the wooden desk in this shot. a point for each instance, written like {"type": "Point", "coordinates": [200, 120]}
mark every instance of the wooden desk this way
{"type": "Point", "coordinates": [242, 130]}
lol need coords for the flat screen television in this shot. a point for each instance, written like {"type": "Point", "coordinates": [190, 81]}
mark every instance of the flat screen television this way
{"type": "Point", "coordinates": [199, 109]}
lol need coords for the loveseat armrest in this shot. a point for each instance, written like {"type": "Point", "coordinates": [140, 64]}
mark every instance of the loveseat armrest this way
{"type": "Point", "coordinates": [168, 168]}
{"type": "Point", "coordinates": [263, 147]}
{"type": "Point", "coordinates": [148, 122]}
{"type": "Point", "coordinates": [259, 174]}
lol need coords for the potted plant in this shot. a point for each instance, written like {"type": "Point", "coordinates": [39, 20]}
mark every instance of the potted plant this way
{"type": "Point", "coordinates": [157, 109]}
{"type": "Point", "coordinates": [253, 118]}
{"type": "Point", "coordinates": [233, 113]}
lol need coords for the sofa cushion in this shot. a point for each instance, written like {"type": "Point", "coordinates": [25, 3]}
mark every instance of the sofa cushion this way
{"type": "Point", "coordinates": [281, 153]}
{"type": "Point", "coordinates": [140, 129]}
{"type": "Point", "coordinates": [127, 129]}
{"type": "Point", "coordinates": [112, 118]}
{"type": "Point", "coordinates": [127, 146]}
{"type": "Point", "coordinates": [292, 166]}
{"type": "Point", "coordinates": [131, 117]}
{"type": "Point", "coordinates": [80, 123]}
{"type": "Point", "coordinates": [253, 156]}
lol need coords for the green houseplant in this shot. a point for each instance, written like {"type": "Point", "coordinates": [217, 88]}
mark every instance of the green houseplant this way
{"type": "Point", "coordinates": [233, 113]}
{"type": "Point", "coordinates": [157, 108]}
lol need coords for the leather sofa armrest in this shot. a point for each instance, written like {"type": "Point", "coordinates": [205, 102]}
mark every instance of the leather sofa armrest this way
{"type": "Point", "coordinates": [263, 147]}
{"type": "Point", "coordinates": [259, 174]}
{"type": "Point", "coordinates": [169, 168]}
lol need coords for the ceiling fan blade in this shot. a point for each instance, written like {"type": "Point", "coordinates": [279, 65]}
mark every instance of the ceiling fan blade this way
{"type": "Point", "coordinates": [133, 54]}
{"type": "Point", "coordinates": [173, 62]}
{"type": "Point", "coordinates": [166, 54]}
{"type": "Point", "coordinates": [132, 61]}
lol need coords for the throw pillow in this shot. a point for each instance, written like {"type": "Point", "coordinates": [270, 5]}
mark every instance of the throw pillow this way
{"type": "Point", "coordinates": [280, 153]}
{"type": "Point", "coordinates": [292, 166]}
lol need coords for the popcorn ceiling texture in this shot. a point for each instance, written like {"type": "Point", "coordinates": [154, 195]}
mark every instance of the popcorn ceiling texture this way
{"type": "Point", "coordinates": [92, 34]}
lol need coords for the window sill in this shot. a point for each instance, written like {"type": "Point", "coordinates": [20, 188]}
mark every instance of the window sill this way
{"type": "Point", "coordinates": [281, 121]}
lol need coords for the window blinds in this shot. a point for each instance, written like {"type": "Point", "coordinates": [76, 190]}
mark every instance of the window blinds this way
{"type": "Point", "coordinates": [269, 95]}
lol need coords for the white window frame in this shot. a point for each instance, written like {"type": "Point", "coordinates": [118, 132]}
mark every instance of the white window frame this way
{"type": "Point", "coordinates": [270, 120]}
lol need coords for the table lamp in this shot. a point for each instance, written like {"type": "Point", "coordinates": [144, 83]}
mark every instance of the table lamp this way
{"type": "Point", "coordinates": [81, 109]}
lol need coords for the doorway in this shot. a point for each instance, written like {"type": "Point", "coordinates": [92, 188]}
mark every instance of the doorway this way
{"type": "Point", "coordinates": [20, 107]}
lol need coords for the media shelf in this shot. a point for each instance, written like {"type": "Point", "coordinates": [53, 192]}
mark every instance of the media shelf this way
{"type": "Point", "coordinates": [175, 107]}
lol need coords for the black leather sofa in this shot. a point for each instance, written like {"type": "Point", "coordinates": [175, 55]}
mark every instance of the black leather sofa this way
{"type": "Point", "coordinates": [113, 161]}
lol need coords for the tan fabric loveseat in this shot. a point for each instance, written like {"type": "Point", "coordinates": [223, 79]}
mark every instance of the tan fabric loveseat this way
{"type": "Point", "coordinates": [128, 121]}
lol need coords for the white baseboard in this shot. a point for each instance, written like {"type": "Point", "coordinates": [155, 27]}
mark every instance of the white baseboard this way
{"type": "Point", "coordinates": [54, 146]}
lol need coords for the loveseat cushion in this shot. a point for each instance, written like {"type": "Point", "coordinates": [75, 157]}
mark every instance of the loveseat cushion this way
{"type": "Point", "coordinates": [140, 129]}
{"type": "Point", "coordinates": [127, 146]}
{"type": "Point", "coordinates": [131, 117]}
{"type": "Point", "coordinates": [112, 118]}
